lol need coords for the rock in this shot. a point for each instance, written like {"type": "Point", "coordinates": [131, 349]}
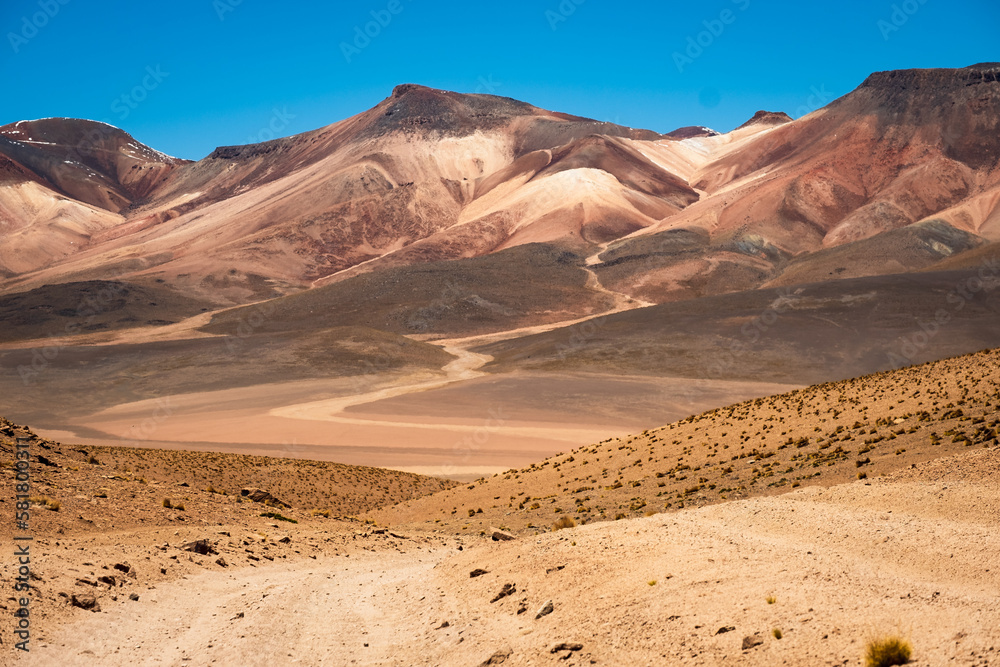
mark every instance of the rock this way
{"type": "Point", "coordinates": [134, 597]}
{"type": "Point", "coordinates": [261, 496]}
{"type": "Point", "coordinates": [508, 589]}
{"type": "Point", "coordinates": [554, 569]}
{"type": "Point", "coordinates": [123, 567]}
{"type": "Point", "coordinates": [221, 562]}
{"type": "Point", "coordinates": [752, 640]}
{"type": "Point", "coordinates": [724, 629]}
{"type": "Point", "coordinates": [478, 572]}
{"type": "Point", "coordinates": [546, 609]}
{"type": "Point", "coordinates": [445, 624]}
{"type": "Point", "coordinates": [88, 602]}
{"type": "Point", "coordinates": [46, 462]}
{"type": "Point", "coordinates": [202, 547]}
{"type": "Point", "coordinates": [566, 646]}
{"type": "Point", "coordinates": [285, 540]}
{"type": "Point", "coordinates": [522, 607]}
{"type": "Point", "coordinates": [108, 579]}
{"type": "Point", "coordinates": [86, 582]}
{"type": "Point", "coordinates": [498, 658]}
{"type": "Point", "coordinates": [501, 536]}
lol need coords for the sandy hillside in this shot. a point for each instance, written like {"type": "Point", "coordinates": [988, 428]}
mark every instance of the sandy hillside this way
{"type": "Point", "coordinates": [915, 551]}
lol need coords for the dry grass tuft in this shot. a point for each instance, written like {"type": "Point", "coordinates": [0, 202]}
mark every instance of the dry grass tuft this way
{"type": "Point", "coordinates": [887, 651]}
{"type": "Point", "coordinates": [563, 522]}
{"type": "Point", "coordinates": [46, 502]}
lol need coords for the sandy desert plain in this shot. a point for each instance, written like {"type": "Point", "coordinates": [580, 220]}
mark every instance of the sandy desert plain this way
{"type": "Point", "coordinates": [463, 381]}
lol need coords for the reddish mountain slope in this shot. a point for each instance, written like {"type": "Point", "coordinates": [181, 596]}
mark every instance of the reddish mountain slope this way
{"type": "Point", "coordinates": [429, 175]}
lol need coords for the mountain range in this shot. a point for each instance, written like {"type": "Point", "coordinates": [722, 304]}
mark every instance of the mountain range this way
{"type": "Point", "coordinates": [899, 175]}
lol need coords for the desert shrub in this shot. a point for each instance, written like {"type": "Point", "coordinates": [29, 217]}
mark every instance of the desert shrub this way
{"type": "Point", "coordinates": [46, 502]}
{"type": "Point", "coordinates": [563, 522]}
{"type": "Point", "coordinates": [275, 515]}
{"type": "Point", "coordinates": [887, 651]}
{"type": "Point", "coordinates": [323, 513]}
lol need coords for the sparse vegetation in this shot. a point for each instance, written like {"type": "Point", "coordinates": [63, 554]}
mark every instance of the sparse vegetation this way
{"type": "Point", "coordinates": [563, 522]}
{"type": "Point", "coordinates": [887, 651]}
{"type": "Point", "coordinates": [279, 517]}
{"type": "Point", "coordinates": [46, 502]}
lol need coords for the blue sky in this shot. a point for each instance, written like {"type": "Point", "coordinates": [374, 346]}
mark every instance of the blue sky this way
{"type": "Point", "coordinates": [189, 75]}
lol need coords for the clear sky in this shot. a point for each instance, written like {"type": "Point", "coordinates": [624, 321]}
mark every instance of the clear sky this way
{"type": "Point", "coordinates": [188, 75]}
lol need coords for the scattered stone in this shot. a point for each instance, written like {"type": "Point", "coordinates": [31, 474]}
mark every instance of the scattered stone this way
{"type": "Point", "coordinates": [508, 589]}
{"type": "Point", "coordinates": [554, 569]}
{"type": "Point", "coordinates": [134, 597]}
{"type": "Point", "coordinates": [522, 607]}
{"type": "Point", "coordinates": [123, 567]}
{"type": "Point", "coordinates": [47, 462]}
{"type": "Point", "coordinates": [86, 582]}
{"type": "Point", "coordinates": [498, 658]}
{"type": "Point", "coordinates": [445, 624]}
{"type": "Point", "coordinates": [108, 579]}
{"type": "Point", "coordinates": [724, 629]}
{"type": "Point", "coordinates": [478, 572]}
{"type": "Point", "coordinates": [239, 615]}
{"type": "Point", "coordinates": [202, 547]}
{"type": "Point", "coordinates": [221, 562]}
{"type": "Point", "coordinates": [501, 536]}
{"type": "Point", "coordinates": [285, 540]}
{"type": "Point", "coordinates": [566, 646]}
{"type": "Point", "coordinates": [546, 609]}
{"type": "Point", "coordinates": [88, 602]}
{"type": "Point", "coordinates": [261, 496]}
{"type": "Point", "coordinates": [751, 641]}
